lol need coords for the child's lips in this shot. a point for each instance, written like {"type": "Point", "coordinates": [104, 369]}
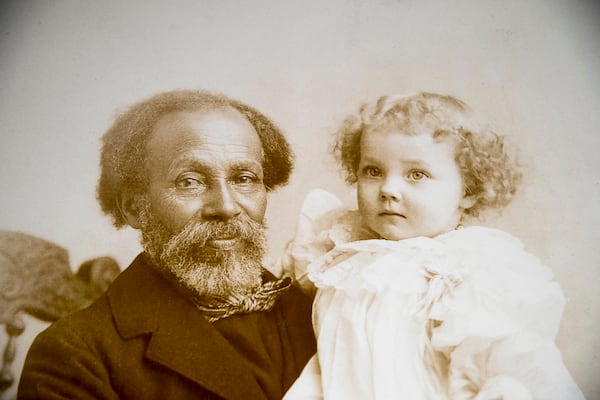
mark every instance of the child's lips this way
{"type": "Point", "coordinates": [392, 214]}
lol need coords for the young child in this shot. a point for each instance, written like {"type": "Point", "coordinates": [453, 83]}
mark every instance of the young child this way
{"type": "Point", "coordinates": [409, 304]}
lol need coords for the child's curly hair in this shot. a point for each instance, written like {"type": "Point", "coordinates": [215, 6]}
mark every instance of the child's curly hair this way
{"type": "Point", "coordinates": [489, 169]}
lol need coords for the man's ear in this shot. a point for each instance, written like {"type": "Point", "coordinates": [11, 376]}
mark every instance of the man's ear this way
{"type": "Point", "coordinates": [129, 205]}
{"type": "Point", "coordinates": [468, 201]}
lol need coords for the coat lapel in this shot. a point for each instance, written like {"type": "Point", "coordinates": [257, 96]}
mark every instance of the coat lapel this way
{"type": "Point", "coordinates": [182, 340]}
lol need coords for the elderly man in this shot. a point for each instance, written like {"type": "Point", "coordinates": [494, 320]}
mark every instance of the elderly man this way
{"type": "Point", "coordinates": [195, 315]}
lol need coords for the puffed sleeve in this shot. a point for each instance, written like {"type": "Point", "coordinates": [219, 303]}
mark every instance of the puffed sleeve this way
{"type": "Point", "coordinates": [498, 326]}
{"type": "Point", "coordinates": [315, 235]}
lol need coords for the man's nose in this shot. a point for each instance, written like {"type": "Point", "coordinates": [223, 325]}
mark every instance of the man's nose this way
{"type": "Point", "coordinates": [391, 189]}
{"type": "Point", "coordinates": [221, 203]}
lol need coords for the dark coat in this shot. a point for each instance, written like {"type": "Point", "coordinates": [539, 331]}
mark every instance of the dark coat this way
{"type": "Point", "coordinates": [143, 340]}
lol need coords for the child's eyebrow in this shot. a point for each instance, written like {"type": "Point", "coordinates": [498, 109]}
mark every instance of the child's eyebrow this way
{"type": "Point", "coordinates": [415, 161]}
{"type": "Point", "coordinates": [369, 160]}
{"type": "Point", "coordinates": [410, 162]}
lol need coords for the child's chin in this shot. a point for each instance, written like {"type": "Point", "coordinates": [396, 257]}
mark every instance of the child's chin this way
{"type": "Point", "coordinates": [395, 234]}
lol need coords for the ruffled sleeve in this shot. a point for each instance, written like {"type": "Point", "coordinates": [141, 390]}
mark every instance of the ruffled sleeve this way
{"type": "Point", "coordinates": [323, 223]}
{"type": "Point", "coordinates": [497, 327]}
{"type": "Point", "coordinates": [504, 289]}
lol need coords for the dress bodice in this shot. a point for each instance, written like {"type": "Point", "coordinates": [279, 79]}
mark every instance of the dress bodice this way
{"type": "Point", "coordinates": [430, 318]}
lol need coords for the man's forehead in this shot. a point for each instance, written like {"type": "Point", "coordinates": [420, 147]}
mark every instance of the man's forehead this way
{"type": "Point", "coordinates": [204, 160]}
{"type": "Point", "coordinates": [211, 136]}
{"type": "Point", "coordinates": [205, 123]}
{"type": "Point", "coordinates": [215, 114]}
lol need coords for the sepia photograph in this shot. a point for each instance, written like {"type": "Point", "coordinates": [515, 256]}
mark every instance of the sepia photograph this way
{"type": "Point", "coordinates": [334, 199]}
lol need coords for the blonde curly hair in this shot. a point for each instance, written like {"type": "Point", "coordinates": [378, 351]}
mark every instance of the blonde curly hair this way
{"type": "Point", "coordinates": [489, 168]}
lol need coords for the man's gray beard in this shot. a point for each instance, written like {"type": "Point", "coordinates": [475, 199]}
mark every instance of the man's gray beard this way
{"type": "Point", "coordinates": [204, 271]}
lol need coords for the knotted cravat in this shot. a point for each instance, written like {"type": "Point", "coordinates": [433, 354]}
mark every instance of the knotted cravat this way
{"type": "Point", "coordinates": [261, 299]}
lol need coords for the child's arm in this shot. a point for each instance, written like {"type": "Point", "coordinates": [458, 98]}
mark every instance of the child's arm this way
{"type": "Point", "coordinates": [521, 366]}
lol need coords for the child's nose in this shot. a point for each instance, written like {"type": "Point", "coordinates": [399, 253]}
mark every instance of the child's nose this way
{"type": "Point", "coordinates": [391, 189]}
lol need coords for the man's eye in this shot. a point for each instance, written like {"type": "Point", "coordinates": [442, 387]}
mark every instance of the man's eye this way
{"type": "Point", "coordinates": [417, 175]}
{"type": "Point", "coordinates": [245, 179]}
{"type": "Point", "coordinates": [188, 182]}
{"type": "Point", "coordinates": [371, 171]}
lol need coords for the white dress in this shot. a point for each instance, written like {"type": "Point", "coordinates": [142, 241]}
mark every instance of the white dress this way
{"type": "Point", "coordinates": [465, 315]}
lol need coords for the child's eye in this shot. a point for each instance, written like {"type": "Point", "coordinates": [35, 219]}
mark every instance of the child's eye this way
{"type": "Point", "coordinates": [371, 171]}
{"type": "Point", "coordinates": [417, 175]}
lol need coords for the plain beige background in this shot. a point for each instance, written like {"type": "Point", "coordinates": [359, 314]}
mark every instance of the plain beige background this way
{"type": "Point", "coordinates": [529, 67]}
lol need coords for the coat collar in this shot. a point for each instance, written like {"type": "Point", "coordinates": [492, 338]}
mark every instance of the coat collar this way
{"type": "Point", "coordinates": [143, 302]}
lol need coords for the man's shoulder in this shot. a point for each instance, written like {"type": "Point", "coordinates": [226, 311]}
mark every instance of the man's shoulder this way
{"type": "Point", "coordinates": [96, 319]}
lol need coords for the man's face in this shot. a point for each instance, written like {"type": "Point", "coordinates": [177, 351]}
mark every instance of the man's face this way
{"type": "Point", "coordinates": [205, 165]}
{"type": "Point", "coordinates": [206, 200]}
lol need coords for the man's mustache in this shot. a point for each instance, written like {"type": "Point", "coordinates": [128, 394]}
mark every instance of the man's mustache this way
{"type": "Point", "coordinates": [198, 233]}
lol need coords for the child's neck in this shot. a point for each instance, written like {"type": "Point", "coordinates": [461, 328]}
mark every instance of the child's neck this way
{"type": "Point", "coordinates": [366, 233]}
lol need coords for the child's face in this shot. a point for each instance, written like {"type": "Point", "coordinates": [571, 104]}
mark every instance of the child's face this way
{"type": "Point", "coordinates": [409, 186]}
